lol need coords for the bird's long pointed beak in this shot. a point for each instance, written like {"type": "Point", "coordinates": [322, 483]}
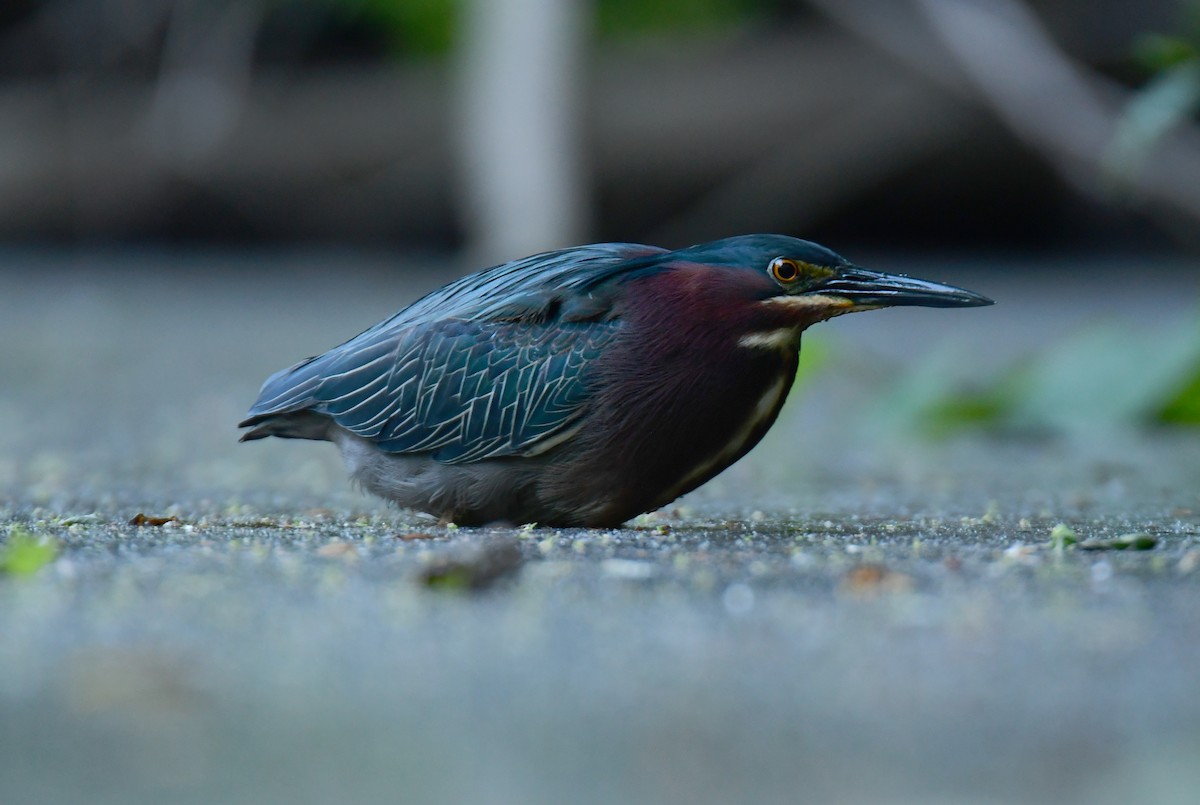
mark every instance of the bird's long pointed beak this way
{"type": "Point", "coordinates": [875, 289]}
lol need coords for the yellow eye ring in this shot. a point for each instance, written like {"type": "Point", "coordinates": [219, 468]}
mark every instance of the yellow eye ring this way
{"type": "Point", "coordinates": [784, 270]}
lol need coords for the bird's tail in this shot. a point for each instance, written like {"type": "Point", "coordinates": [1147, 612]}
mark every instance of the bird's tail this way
{"type": "Point", "coordinates": [291, 425]}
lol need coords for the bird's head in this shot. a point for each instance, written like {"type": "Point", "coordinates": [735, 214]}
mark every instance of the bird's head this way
{"type": "Point", "coordinates": [804, 276]}
{"type": "Point", "coordinates": [792, 280]}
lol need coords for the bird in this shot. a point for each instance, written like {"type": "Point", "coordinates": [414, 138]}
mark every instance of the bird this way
{"type": "Point", "coordinates": [579, 387]}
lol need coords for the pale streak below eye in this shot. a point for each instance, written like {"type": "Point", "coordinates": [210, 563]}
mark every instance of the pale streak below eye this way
{"type": "Point", "coordinates": [771, 339]}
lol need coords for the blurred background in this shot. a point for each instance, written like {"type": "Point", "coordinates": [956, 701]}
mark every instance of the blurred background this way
{"type": "Point", "coordinates": [506, 127]}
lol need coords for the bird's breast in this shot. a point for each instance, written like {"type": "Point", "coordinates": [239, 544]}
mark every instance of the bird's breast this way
{"type": "Point", "coordinates": [653, 436]}
{"type": "Point", "coordinates": [742, 436]}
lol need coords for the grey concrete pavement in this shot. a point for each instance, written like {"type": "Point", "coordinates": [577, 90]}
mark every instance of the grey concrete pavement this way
{"type": "Point", "coordinates": [848, 615]}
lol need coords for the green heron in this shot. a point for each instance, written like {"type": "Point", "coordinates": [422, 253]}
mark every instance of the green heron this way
{"type": "Point", "coordinates": [578, 387]}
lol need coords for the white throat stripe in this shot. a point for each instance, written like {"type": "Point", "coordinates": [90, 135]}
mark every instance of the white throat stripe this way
{"type": "Point", "coordinates": [771, 339]}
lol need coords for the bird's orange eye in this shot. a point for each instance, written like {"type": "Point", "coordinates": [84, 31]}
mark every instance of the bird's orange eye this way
{"type": "Point", "coordinates": [784, 270]}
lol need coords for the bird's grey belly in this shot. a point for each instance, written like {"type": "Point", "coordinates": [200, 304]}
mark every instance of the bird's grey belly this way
{"type": "Point", "coordinates": [468, 494]}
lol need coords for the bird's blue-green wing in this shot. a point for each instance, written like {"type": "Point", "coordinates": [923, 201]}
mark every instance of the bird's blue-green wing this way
{"type": "Point", "coordinates": [465, 391]}
{"type": "Point", "coordinates": [496, 364]}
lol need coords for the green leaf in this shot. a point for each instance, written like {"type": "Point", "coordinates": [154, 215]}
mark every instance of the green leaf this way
{"type": "Point", "coordinates": [1157, 52]}
{"type": "Point", "coordinates": [1125, 542]}
{"type": "Point", "coordinates": [1183, 408]}
{"type": "Point", "coordinates": [24, 554]}
{"type": "Point", "coordinates": [1062, 536]}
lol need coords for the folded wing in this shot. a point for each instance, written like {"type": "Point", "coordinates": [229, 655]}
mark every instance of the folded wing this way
{"type": "Point", "coordinates": [495, 364]}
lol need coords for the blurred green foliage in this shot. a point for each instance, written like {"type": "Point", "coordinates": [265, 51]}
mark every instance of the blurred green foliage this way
{"type": "Point", "coordinates": [1156, 52]}
{"type": "Point", "coordinates": [428, 27]}
{"type": "Point", "coordinates": [1110, 374]}
{"type": "Point", "coordinates": [814, 355]}
{"type": "Point", "coordinates": [24, 554]}
{"type": "Point", "coordinates": [1106, 375]}
{"type": "Point", "coordinates": [1183, 408]}
{"type": "Point", "coordinates": [413, 27]}
{"type": "Point", "coordinates": [960, 410]}
{"type": "Point", "coordinates": [1062, 536]}
{"type": "Point", "coordinates": [618, 18]}
{"type": "Point", "coordinates": [1170, 96]}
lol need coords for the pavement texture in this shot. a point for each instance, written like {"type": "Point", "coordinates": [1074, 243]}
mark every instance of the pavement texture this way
{"type": "Point", "coordinates": [851, 614]}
